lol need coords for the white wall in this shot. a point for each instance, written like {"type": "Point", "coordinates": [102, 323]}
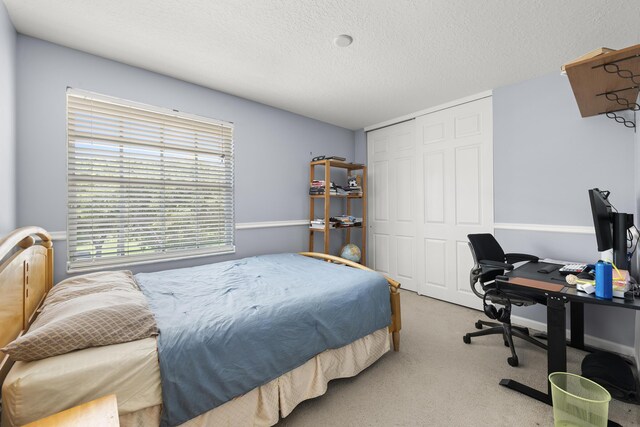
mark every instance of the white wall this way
{"type": "Point", "coordinates": [7, 122]}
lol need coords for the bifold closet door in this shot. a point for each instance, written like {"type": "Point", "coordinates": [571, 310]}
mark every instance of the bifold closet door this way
{"type": "Point", "coordinates": [454, 153]}
{"type": "Point", "coordinates": [393, 210]}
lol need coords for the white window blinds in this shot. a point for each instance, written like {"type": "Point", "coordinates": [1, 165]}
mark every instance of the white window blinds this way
{"type": "Point", "coordinates": [145, 183]}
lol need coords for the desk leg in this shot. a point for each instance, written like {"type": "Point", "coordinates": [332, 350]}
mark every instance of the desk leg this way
{"type": "Point", "coordinates": [577, 328]}
{"type": "Point", "coordinates": [556, 327]}
{"type": "Point", "coordinates": [577, 325]}
{"type": "Point", "coordinates": [556, 354]}
{"type": "Point", "coordinates": [526, 390]}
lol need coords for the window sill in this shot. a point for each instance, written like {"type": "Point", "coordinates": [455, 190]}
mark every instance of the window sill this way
{"type": "Point", "coordinates": [104, 265]}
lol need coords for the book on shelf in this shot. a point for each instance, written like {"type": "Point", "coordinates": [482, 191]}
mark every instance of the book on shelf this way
{"type": "Point", "coordinates": [354, 190]}
{"type": "Point", "coordinates": [318, 186]}
{"type": "Point", "coordinates": [344, 221]}
{"type": "Point", "coordinates": [320, 191]}
{"type": "Point", "coordinates": [321, 183]}
{"type": "Point", "coordinates": [318, 224]}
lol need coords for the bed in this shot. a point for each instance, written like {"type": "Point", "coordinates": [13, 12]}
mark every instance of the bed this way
{"type": "Point", "coordinates": [132, 371]}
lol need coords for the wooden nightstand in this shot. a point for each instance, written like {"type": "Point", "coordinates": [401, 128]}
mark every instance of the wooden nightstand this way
{"type": "Point", "coordinates": [101, 412]}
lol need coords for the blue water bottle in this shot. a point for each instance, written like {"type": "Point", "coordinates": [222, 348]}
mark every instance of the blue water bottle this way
{"type": "Point", "coordinates": [604, 277]}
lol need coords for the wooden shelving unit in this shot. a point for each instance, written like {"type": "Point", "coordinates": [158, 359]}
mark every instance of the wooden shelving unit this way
{"type": "Point", "coordinates": [607, 83]}
{"type": "Point", "coordinates": [326, 197]}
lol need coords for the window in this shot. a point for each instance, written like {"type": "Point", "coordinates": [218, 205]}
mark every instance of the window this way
{"type": "Point", "coordinates": [145, 184]}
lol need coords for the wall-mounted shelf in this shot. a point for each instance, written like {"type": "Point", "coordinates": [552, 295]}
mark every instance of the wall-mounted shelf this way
{"type": "Point", "coordinates": [607, 83]}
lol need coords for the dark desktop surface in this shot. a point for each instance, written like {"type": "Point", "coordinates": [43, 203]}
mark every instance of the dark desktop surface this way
{"type": "Point", "coordinates": [530, 271]}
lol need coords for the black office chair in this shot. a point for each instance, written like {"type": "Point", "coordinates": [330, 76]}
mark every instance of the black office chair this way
{"type": "Point", "coordinates": [490, 261]}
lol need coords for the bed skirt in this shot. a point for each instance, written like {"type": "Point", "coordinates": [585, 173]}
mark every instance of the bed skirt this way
{"type": "Point", "coordinates": [264, 405]}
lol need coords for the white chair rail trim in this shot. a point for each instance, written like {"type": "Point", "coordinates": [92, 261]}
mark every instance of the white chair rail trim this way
{"type": "Point", "coordinates": [571, 229]}
{"type": "Point", "coordinates": [549, 228]}
{"type": "Point", "coordinates": [62, 235]}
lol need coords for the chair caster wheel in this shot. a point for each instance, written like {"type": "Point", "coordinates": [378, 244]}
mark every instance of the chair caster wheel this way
{"type": "Point", "coordinates": [478, 325]}
{"type": "Point", "coordinates": [466, 339]}
{"type": "Point", "coordinates": [513, 361]}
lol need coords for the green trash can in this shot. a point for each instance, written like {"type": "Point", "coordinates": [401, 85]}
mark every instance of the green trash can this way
{"type": "Point", "coordinates": [578, 401]}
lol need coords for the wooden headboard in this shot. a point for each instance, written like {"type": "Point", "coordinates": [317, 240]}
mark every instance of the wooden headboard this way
{"type": "Point", "coordinates": [26, 275]}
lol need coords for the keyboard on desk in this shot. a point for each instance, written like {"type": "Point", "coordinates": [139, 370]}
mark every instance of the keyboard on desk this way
{"type": "Point", "coordinates": [572, 269]}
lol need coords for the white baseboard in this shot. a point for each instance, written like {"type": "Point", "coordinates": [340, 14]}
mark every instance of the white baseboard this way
{"type": "Point", "coordinates": [588, 339]}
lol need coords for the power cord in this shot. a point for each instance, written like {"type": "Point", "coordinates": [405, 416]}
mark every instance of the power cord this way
{"type": "Point", "coordinates": [637, 236]}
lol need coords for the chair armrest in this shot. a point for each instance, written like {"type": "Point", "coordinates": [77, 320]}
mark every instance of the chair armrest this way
{"type": "Point", "coordinates": [516, 257]}
{"type": "Point", "coordinates": [495, 265]}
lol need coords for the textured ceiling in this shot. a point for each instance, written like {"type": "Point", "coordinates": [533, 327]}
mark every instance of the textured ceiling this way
{"type": "Point", "coordinates": [406, 55]}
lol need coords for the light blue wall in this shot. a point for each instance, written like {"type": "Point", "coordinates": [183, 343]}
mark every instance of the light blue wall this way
{"type": "Point", "coordinates": [7, 122]}
{"type": "Point", "coordinates": [546, 157]}
{"type": "Point", "coordinates": [272, 146]}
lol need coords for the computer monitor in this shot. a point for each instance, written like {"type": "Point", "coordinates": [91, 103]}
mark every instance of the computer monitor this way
{"type": "Point", "coordinates": [601, 210]}
{"type": "Point", "coordinates": [611, 227]}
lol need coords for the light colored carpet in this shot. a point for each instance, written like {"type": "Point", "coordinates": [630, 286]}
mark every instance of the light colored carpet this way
{"type": "Point", "coordinates": [437, 380]}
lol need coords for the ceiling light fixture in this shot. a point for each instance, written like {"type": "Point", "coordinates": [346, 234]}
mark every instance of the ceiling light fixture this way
{"type": "Point", "coordinates": [343, 40]}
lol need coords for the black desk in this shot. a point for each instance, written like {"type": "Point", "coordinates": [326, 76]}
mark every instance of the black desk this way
{"type": "Point", "coordinates": [556, 319]}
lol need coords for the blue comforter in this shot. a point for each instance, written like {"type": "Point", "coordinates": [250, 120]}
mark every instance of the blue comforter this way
{"type": "Point", "coordinates": [229, 327]}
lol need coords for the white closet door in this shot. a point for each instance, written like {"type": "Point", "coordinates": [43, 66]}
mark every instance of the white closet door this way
{"type": "Point", "coordinates": [393, 208]}
{"type": "Point", "coordinates": [454, 154]}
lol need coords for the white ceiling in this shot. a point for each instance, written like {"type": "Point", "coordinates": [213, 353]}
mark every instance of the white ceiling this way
{"type": "Point", "coordinates": [406, 55]}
